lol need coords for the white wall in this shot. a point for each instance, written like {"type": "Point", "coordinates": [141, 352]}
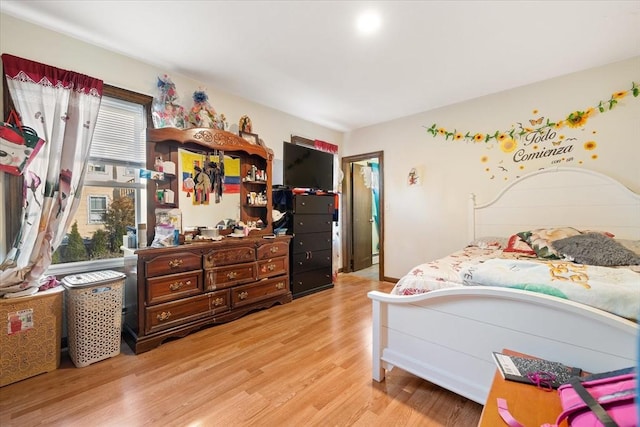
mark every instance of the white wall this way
{"type": "Point", "coordinates": [421, 222]}
{"type": "Point", "coordinates": [428, 221]}
{"type": "Point", "coordinates": [29, 41]}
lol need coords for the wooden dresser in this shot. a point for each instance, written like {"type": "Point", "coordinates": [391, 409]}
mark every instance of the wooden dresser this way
{"type": "Point", "coordinates": [170, 292]}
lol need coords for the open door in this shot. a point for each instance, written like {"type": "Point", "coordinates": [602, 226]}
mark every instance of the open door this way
{"type": "Point", "coordinates": [362, 219]}
{"type": "Point", "coordinates": [356, 247]}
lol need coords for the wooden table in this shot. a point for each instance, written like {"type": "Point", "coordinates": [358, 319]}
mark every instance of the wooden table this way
{"type": "Point", "coordinates": [528, 404]}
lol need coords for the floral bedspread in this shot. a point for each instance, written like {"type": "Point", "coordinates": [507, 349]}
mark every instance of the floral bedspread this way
{"type": "Point", "coordinates": [615, 290]}
{"type": "Point", "coordinates": [443, 272]}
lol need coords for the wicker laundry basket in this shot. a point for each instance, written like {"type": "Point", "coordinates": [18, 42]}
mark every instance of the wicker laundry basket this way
{"type": "Point", "coordinates": [94, 315]}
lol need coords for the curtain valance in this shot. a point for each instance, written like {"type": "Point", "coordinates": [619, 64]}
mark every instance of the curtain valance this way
{"type": "Point", "coordinates": [25, 70]}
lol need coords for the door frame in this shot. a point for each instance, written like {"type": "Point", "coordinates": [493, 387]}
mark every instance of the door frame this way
{"type": "Point", "coordinates": [347, 202]}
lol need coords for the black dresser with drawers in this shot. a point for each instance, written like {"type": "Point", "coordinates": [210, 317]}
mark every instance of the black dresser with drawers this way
{"type": "Point", "coordinates": [311, 247]}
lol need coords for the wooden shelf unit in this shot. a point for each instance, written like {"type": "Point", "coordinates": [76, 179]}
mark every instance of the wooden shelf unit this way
{"type": "Point", "coordinates": [165, 143]}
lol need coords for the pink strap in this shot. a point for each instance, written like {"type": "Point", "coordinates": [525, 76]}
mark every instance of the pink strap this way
{"type": "Point", "coordinates": [503, 410]}
{"type": "Point", "coordinates": [506, 416]}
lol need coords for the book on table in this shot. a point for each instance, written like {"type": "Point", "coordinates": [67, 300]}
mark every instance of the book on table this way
{"type": "Point", "coordinates": [516, 368]}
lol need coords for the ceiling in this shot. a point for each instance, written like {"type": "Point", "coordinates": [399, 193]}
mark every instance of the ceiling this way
{"type": "Point", "coordinates": [306, 58]}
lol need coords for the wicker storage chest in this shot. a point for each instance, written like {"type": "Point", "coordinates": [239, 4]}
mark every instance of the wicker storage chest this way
{"type": "Point", "coordinates": [31, 335]}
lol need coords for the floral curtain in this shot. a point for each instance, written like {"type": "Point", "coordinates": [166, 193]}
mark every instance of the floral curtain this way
{"type": "Point", "coordinates": [62, 107]}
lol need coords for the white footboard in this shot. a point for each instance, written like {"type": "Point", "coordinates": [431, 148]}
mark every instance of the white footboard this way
{"type": "Point", "coordinates": [447, 336]}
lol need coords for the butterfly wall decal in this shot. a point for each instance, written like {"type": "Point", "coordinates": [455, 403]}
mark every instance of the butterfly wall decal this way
{"type": "Point", "coordinates": [537, 121]}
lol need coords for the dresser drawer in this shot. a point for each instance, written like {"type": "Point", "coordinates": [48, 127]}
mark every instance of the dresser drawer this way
{"type": "Point", "coordinates": [313, 204]}
{"type": "Point", "coordinates": [310, 260]}
{"type": "Point", "coordinates": [274, 249]}
{"type": "Point", "coordinates": [218, 257]}
{"type": "Point", "coordinates": [219, 301]}
{"type": "Point", "coordinates": [170, 314]}
{"type": "Point", "coordinates": [174, 286]}
{"type": "Point", "coordinates": [273, 267]}
{"type": "Point", "coordinates": [248, 294]}
{"type": "Point", "coordinates": [176, 262]}
{"type": "Point", "coordinates": [309, 280]}
{"type": "Point", "coordinates": [312, 223]}
{"type": "Point", "coordinates": [223, 277]}
{"type": "Point", "coordinates": [311, 242]}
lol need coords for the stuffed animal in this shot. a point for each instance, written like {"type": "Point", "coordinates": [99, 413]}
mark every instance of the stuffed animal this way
{"type": "Point", "coordinates": [202, 114]}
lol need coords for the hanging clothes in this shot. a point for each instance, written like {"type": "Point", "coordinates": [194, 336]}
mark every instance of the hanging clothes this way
{"type": "Point", "coordinates": [202, 187]}
{"type": "Point", "coordinates": [220, 177]}
{"type": "Point", "coordinates": [213, 171]}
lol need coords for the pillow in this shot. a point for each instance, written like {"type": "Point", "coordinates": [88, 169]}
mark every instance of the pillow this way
{"type": "Point", "coordinates": [540, 240]}
{"type": "Point", "coordinates": [595, 249]}
{"type": "Point", "coordinates": [516, 244]}
{"type": "Point", "coordinates": [606, 233]}
{"type": "Point", "coordinates": [632, 245]}
{"type": "Point", "coordinates": [486, 242]}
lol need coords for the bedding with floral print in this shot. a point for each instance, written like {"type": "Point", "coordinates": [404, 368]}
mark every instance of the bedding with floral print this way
{"type": "Point", "coordinates": [540, 240]}
{"type": "Point", "coordinates": [519, 246]}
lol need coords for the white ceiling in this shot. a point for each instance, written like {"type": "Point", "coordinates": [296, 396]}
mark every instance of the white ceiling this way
{"type": "Point", "coordinates": [306, 58]}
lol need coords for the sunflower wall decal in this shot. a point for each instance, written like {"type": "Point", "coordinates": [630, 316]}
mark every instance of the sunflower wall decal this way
{"type": "Point", "coordinates": [574, 119]}
{"type": "Point", "coordinates": [537, 142]}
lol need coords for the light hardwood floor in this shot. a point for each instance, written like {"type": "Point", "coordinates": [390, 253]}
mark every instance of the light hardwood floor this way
{"type": "Point", "coordinates": [306, 363]}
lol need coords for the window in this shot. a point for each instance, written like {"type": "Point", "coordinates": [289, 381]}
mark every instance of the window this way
{"type": "Point", "coordinates": [96, 168]}
{"type": "Point", "coordinates": [113, 196]}
{"type": "Point", "coordinates": [97, 209]}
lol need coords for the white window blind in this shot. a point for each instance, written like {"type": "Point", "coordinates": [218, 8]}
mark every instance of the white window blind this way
{"type": "Point", "coordinates": [119, 136]}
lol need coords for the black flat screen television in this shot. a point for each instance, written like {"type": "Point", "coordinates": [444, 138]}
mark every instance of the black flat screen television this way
{"type": "Point", "coordinates": [306, 167]}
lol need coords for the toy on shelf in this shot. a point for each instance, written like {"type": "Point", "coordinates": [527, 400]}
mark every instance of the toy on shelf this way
{"type": "Point", "coordinates": [203, 115]}
{"type": "Point", "coordinates": [166, 111]}
{"type": "Point", "coordinates": [245, 124]}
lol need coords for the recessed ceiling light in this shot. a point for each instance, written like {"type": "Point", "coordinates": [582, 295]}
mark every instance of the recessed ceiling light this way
{"type": "Point", "coordinates": [369, 22]}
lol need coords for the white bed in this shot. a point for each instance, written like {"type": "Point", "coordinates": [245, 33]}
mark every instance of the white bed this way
{"type": "Point", "coordinates": [446, 336]}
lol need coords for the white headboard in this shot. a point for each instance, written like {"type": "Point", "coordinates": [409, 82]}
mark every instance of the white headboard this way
{"type": "Point", "coordinates": [556, 197]}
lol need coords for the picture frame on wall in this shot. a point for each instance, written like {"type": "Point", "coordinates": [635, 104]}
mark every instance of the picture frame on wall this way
{"type": "Point", "coordinates": [251, 138]}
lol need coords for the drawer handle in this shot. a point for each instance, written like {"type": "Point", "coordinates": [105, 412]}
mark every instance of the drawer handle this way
{"type": "Point", "coordinates": [243, 295]}
{"type": "Point", "coordinates": [175, 263]}
{"type": "Point", "coordinates": [274, 249]}
{"type": "Point", "coordinates": [218, 302]}
{"type": "Point", "coordinates": [165, 315]}
{"type": "Point", "coordinates": [178, 285]}
{"type": "Point", "coordinates": [232, 275]}
{"type": "Point", "coordinates": [279, 285]}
